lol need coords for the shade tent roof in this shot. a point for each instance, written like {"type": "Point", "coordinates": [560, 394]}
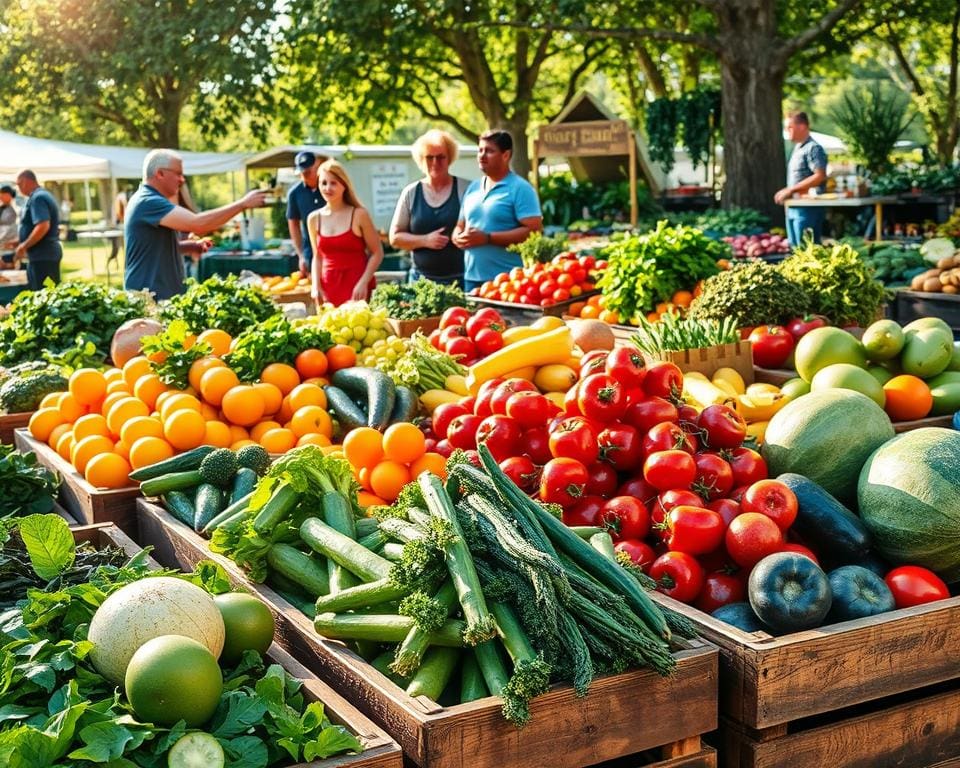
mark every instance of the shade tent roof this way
{"type": "Point", "coordinates": [71, 161]}
{"type": "Point", "coordinates": [282, 157]}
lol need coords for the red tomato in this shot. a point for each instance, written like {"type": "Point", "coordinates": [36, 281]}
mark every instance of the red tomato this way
{"type": "Point", "coordinates": [602, 397]}
{"type": "Point", "coordinates": [728, 509]}
{"type": "Point", "coordinates": [454, 316]}
{"type": "Point", "coordinates": [621, 447]}
{"type": "Point", "coordinates": [444, 414]}
{"type": "Point", "coordinates": [694, 530]}
{"type": "Point", "coordinates": [627, 366]}
{"type": "Point", "coordinates": [647, 413]}
{"type": "Point", "coordinates": [639, 489]}
{"type": "Point", "coordinates": [665, 470]}
{"type": "Point", "coordinates": [714, 476]}
{"type": "Point", "coordinates": [801, 326]}
{"type": "Point", "coordinates": [535, 443]}
{"type": "Point", "coordinates": [522, 471]}
{"type": "Point", "coordinates": [500, 396]}
{"type": "Point", "coordinates": [461, 347]}
{"type": "Point", "coordinates": [720, 589]}
{"type": "Point", "coordinates": [678, 575]}
{"type": "Point", "coordinates": [594, 361]}
{"type": "Point", "coordinates": [585, 512]}
{"type": "Point", "coordinates": [773, 499]}
{"type": "Point", "coordinates": [603, 480]}
{"type": "Point", "coordinates": [488, 341]}
{"type": "Point", "coordinates": [663, 380]}
{"type": "Point", "coordinates": [529, 408]}
{"type": "Point", "coordinates": [667, 437]}
{"type": "Point", "coordinates": [434, 339]}
{"type": "Point", "coordinates": [574, 438]}
{"type": "Point", "coordinates": [639, 552]}
{"type": "Point", "coordinates": [462, 432]}
{"type": "Point", "coordinates": [722, 427]}
{"type": "Point", "coordinates": [687, 417]}
{"type": "Point", "coordinates": [483, 408]}
{"type": "Point", "coordinates": [625, 518]}
{"type": "Point", "coordinates": [501, 435]}
{"type": "Point", "coordinates": [751, 537]}
{"type": "Point", "coordinates": [562, 481]}
{"type": "Point", "coordinates": [772, 345]}
{"type": "Point", "coordinates": [747, 464]}
{"type": "Point", "coordinates": [666, 501]}
{"type": "Point", "coordinates": [490, 314]}
{"type": "Point", "coordinates": [480, 322]}
{"type": "Point", "coordinates": [792, 546]}
{"type": "Point", "coordinates": [450, 333]}
{"type": "Point", "coordinates": [571, 406]}
{"type": "Point", "coordinates": [914, 585]}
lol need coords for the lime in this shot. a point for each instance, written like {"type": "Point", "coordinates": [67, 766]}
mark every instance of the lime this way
{"type": "Point", "coordinates": [196, 750]}
{"type": "Point", "coordinates": [173, 678]}
{"type": "Point", "coordinates": [248, 622]}
{"type": "Point", "coordinates": [883, 340]}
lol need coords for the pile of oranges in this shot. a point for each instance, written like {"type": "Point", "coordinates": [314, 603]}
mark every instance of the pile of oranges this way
{"type": "Point", "coordinates": [111, 422]}
{"type": "Point", "coordinates": [595, 307]}
{"type": "Point", "coordinates": [384, 463]}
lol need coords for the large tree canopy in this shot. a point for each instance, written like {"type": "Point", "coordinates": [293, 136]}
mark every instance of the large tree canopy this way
{"type": "Point", "coordinates": [361, 63]}
{"type": "Point", "coordinates": [136, 64]}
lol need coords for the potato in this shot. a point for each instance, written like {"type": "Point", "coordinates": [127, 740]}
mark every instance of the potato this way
{"type": "Point", "coordinates": [945, 263]}
{"type": "Point", "coordinates": [931, 285]}
{"type": "Point", "coordinates": [951, 289]}
{"type": "Point", "coordinates": [917, 283]}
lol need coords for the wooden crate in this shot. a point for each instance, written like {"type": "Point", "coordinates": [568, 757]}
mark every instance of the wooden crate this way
{"type": "Point", "coordinates": [406, 328]}
{"type": "Point", "coordinates": [380, 751]}
{"type": "Point", "coordinates": [930, 421]}
{"type": "Point", "coordinates": [564, 732]}
{"type": "Point", "coordinates": [290, 297]}
{"type": "Point", "coordinates": [771, 687]}
{"type": "Point", "coordinates": [778, 376]}
{"type": "Point", "coordinates": [710, 359]}
{"type": "Point", "coordinates": [525, 313]}
{"type": "Point", "coordinates": [10, 422]}
{"type": "Point", "coordinates": [84, 501]}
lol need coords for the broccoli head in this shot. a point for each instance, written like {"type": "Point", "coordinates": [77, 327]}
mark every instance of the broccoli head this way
{"type": "Point", "coordinates": [254, 457]}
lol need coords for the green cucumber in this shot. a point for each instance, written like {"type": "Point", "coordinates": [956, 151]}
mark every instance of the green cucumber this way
{"type": "Point", "coordinates": [235, 511]}
{"type": "Point", "coordinates": [406, 405]}
{"type": "Point", "coordinates": [280, 504]}
{"type": "Point", "coordinates": [209, 502]}
{"type": "Point", "coordinates": [184, 462]}
{"type": "Point", "coordinates": [372, 386]}
{"type": "Point", "coordinates": [348, 414]}
{"type": "Point", "coordinates": [180, 506]}
{"type": "Point", "coordinates": [434, 673]}
{"type": "Point", "coordinates": [174, 481]}
{"type": "Point", "coordinates": [308, 573]}
{"type": "Point", "coordinates": [243, 483]}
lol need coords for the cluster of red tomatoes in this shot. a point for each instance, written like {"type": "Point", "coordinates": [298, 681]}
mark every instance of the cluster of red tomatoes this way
{"type": "Point", "coordinates": [469, 337]}
{"type": "Point", "coordinates": [565, 277]}
{"type": "Point", "coordinates": [772, 344]}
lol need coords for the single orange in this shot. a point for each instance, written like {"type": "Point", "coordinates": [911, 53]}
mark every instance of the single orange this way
{"type": "Point", "coordinates": [590, 312]}
{"type": "Point", "coordinates": [242, 405]}
{"type": "Point", "coordinates": [200, 366]}
{"type": "Point", "coordinates": [314, 438]}
{"type": "Point", "coordinates": [217, 434]}
{"type": "Point", "coordinates": [281, 375]}
{"type": "Point", "coordinates": [64, 444]}
{"type": "Point", "coordinates": [363, 447]}
{"type": "Point", "coordinates": [108, 402]}
{"type": "Point", "coordinates": [149, 450]}
{"type": "Point", "coordinates": [307, 394]}
{"type": "Point", "coordinates": [69, 408]}
{"type": "Point", "coordinates": [907, 398]}
{"type": "Point", "coordinates": [341, 356]}
{"type": "Point", "coordinates": [121, 449]}
{"type": "Point", "coordinates": [178, 402]}
{"type": "Point", "coordinates": [108, 470]}
{"type": "Point", "coordinates": [209, 412]}
{"type": "Point", "coordinates": [123, 410]}
{"type": "Point", "coordinates": [134, 368]}
{"type": "Point", "coordinates": [286, 411]}
{"type": "Point", "coordinates": [238, 433]}
{"type": "Point", "coordinates": [311, 418]}
{"type": "Point", "coordinates": [365, 500]}
{"type": "Point", "coordinates": [57, 432]}
{"type": "Point", "coordinates": [403, 442]}
{"type": "Point", "coordinates": [362, 476]}
{"type": "Point", "coordinates": [388, 478]}
{"type": "Point", "coordinates": [216, 382]}
{"type": "Point", "coordinates": [88, 385]}
{"type": "Point", "coordinates": [51, 400]}
{"type": "Point", "coordinates": [112, 375]}
{"type": "Point", "coordinates": [184, 429]}
{"type": "Point", "coordinates": [118, 385]}
{"type": "Point", "coordinates": [429, 462]}
{"type": "Point", "coordinates": [85, 449]}
{"type": "Point", "coordinates": [278, 440]}
{"type": "Point", "coordinates": [241, 443]}
{"type": "Point", "coordinates": [148, 388]}
{"type": "Point", "coordinates": [257, 430]}
{"type": "Point", "coordinates": [310, 363]}
{"type": "Point", "coordinates": [91, 424]}
{"type": "Point", "coordinates": [272, 397]}
{"type": "Point", "coordinates": [218, 340]}
{"type": "Point", "coordinates": [140, 426]}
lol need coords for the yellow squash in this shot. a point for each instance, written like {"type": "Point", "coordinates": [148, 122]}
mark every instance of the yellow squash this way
{"type": "Point", "coordinates": [433, 398]}
{"type": "Point", "coordinates": [546, 349]}
{"type": "Point", "coordinates": [555, 378]}
{"type": "Point", "coordinates": [732, 377]}
{"type": "Point", "coordinates": [456, 383]}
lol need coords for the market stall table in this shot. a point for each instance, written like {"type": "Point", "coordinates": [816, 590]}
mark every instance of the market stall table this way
{"type": "Point", "coordinates": [829, 201]}
{"type": "Point", "coordinates": [233, 262]}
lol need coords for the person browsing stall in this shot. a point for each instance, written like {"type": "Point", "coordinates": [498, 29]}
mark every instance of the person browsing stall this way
{"type": "Point", "coordinates": [499, 209]}
{"type": "Point", "coordinates": [39, 233]}
{"type": "Point", "coordinates": [345, 241]}
{"type": "Point", "coordinates": [429, 209]}
{"type": "Point", "coordinates": [806, 172]}
{"type": "Point", "coordinates": [8, 223]}
{"type": "Point", "coordinates": [153, 224]}
{"type": "Point", "coordinates": [303, 199]}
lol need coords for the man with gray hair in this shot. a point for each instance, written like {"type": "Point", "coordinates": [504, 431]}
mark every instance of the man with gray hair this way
{"type": "Point", "coordinates": [153, 221]}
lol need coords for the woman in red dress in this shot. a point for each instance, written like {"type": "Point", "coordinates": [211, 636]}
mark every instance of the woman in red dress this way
{"type": "Point", "coordinates": [346, 245]}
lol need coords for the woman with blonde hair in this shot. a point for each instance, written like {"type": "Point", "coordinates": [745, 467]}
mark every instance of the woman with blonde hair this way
{"type": "Point", "coordinates": [428, 210]}
{"type": "Point", "coordinates": [346, 244]}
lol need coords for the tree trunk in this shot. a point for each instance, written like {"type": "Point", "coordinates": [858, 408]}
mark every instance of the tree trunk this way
{"type": "Point", "coordinates": [520, 162]}
{"type": "Point", "coordinates": [753, 152]}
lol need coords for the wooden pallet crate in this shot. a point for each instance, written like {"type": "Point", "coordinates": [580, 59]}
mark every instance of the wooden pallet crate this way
{"type": "Point", "coordinates": [564, 732]}
{"type": "Point", "coordinates": [87, 503]}
{"type": "Point", "coordinates": [772, 686]}
{"type": "Point", "coordinates": [10, 422]}
{"type": "Point", "coordinates": [380, 751]}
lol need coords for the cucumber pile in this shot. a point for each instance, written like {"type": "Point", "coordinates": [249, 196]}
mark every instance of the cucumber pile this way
{"type": "Point", "coordinates": [366, 397]}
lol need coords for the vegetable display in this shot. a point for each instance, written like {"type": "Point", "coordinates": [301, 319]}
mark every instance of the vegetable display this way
{"type": "Point", "coordinates": [414, 363]}
{"type": "Point", "coordinates": [672, 333]}
{"type": "Point", "coordinates": [219, 302]}
{"type": "Point", "coordinates": [564, 277]}
{"type": "Point", "coordinates": [753, 294]}
{"type": "Point", "coordinates": [275, 340]}
{"type": "Point", "coordinates": [413, 301]}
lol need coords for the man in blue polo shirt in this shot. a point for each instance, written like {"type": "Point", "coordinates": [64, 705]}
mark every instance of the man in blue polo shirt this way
{"type": "Point", "coordinates": [304, 198]}
{"type": "Point", "coordinates": [806, 171]}
{"type": "Point", "coordinates": [39, 233]}
{"type": "Point", "coordinates": [499, 209]}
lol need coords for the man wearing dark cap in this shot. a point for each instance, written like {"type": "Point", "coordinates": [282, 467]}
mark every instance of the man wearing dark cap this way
{"type": "Point", "coordinates": [39, 233]}
{"type": "Point", "coordinates": [8, 223]}
{"type": "Point", "coordinates": [304, 199]}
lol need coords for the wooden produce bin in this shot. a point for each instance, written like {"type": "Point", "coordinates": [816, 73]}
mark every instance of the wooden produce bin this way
{"type": "Point", "coordinates": [524, 314]}
{"type": "Point", "coordinates": [290, 297]}
{"type": "Point", "coordinates": [406, 328]}
{"type": "Point", "coordinates": [84, 501]}
{"type": "Point", "coordinates": [911, 305]}
{"type": "Point", "coordinates": [10, 423]}
{"type": "Point", "coordinates": [622, 715]}
{"type": "Point", "coordinates": [878, 691]}
{"type": "Point", "coordinates": [778, 376]}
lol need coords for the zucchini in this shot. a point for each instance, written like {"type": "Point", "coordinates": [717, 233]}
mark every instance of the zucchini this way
{"type": "Point", "coordinates": [472, 686]}
{"type": "Point", "coordinates": [280, 504]}
{"type": "Point", "coordinates": [389, 628]}
{"type": "Point", "coordinates": [338, 514]}
{"type": "Point", "coordinates": [406, 406]}
{"type": "Point", "coordinates": [180, 506]}
{"type": "Point", "coordinates": [371, 385]}
{"type": "Point", "coordinates": [234, 512]}
{"type": "Point", "coordinates": [365, 526]}
{"type": "Point", "coordinates": [184, 462]}
{"type": "Point", "coordinates": [323, 539]}
{"type": "Point", "coordinates": [209, 503]}
{"type": "Point", "coordinates": [347, 412]}
{"type": "Point", "coordinates": [826, 524]}
{"type": "Point", "coordinates": [174, 481]}
{"type": "Point", "coordinates": [308, 573]}
{"type": "Point", "coordinates": [243, 483]}
{"type": "Point", "coordinates": [434, 673]}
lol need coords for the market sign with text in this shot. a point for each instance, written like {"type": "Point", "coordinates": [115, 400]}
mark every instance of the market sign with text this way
{"type": "Point", "coordinates": [597, 137]}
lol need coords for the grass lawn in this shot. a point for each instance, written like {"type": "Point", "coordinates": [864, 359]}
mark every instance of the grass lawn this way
{"type": "Point", "coordinates": [87, 260]}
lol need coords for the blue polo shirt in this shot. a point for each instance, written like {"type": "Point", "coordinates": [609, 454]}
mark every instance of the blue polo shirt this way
{"type": "Point", "coordinates": [301, 202]}
{"type": "Point", "coordinates": [496, 208]}
{"type": "Point", "coordinates": [153, 259]}
{"type": "Point", "coordinates": [41, 206]}
{"type": "Point", "coordinates": [805, 159]}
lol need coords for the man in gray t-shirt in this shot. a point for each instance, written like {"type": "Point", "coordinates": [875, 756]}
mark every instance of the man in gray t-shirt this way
{"type": "Point", "coordinates": [806, 171]}
{"type": "Point", "coordinates": [153, 221]}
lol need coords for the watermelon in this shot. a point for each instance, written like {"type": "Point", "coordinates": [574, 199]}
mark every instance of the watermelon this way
{"type": "Point", "coordinates": [826, 436]}
{"type": "Point", "coordinates": [909, 497]}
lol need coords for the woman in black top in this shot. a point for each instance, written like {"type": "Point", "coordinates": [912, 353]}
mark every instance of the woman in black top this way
{"type": "Point", "coordinates": [428, 210]}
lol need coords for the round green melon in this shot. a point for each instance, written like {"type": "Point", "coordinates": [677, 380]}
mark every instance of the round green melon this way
{"type": "Point", "coordinates": [909, 498]}
{"type": "Point", "coordinates": [826, 436]}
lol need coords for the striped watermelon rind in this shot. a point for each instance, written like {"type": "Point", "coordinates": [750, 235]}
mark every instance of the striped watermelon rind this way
{"type": "Point", "coordinates": [909, 498]}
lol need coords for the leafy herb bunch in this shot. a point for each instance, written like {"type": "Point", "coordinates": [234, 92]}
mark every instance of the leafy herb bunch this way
{"type": "Point", "coordinates": [751, 294]}
{"type": "Point", "coordinates": [220, 302]}
{"type": "Point", "coordinates": [412, 301]}
{"type": "Point", "coordinates": [276, 340]}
